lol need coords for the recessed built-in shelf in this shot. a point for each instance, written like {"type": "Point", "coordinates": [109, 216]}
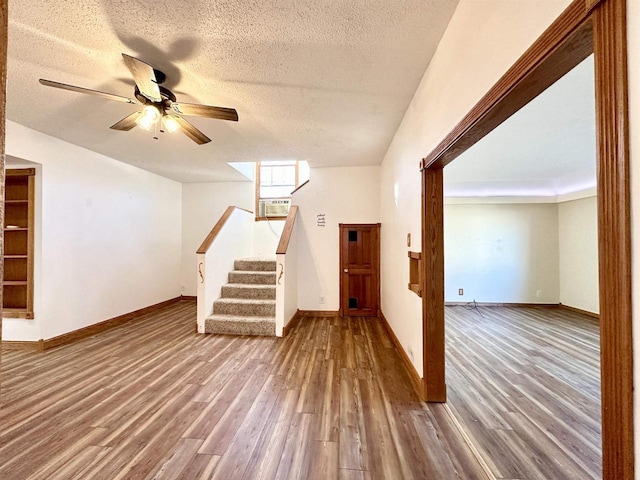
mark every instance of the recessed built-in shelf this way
{"type": "Point", "coordinates": [415, 272]}
{"type": "Point", "coordinates": [17, 282]}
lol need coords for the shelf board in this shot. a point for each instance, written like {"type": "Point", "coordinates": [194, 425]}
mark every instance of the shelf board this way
{"type": "Point", "coordinates": [17, 201]}
{"type": "Point", "coordinates": [16, 256]}
{"type": "Point", "coordinates": [17, 313]}
{"type": "Point", "coordinates": [19, 229]}
{"type": "Point", "coordinates": [14, 282]}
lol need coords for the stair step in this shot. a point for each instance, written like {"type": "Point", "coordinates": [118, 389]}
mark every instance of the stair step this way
{"type": "Point", "coordinates": [243, 290]}
{"type": "Point", "coordinates": [257, 264]}
{"type": "Point", "coordinates": [238, 325]}
{"type": "Point", "coordinates": [252, 277]}
{"type": "Point", "coordinates": [245, 307]}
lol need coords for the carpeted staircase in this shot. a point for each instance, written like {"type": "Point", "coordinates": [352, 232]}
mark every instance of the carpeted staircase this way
{"type": "Point", "coordinates": [248, 302]}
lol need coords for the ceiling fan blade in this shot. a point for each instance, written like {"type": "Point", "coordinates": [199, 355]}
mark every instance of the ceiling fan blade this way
{"type": "Point", "coordinates": [205, 111]}
{"type": "Point", "coordinates": [192, 132]}
{"type": "Point", "coordinates": [144, 76]}
{"type": "Point", "coordinates": [127, 123]}
{"type": "Point", "coordinates": [64, 86]}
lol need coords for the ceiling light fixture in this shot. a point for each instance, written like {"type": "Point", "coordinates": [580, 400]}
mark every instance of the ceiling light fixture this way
{"type": "Point", "coordinates": [170, 123]}
{"type": "Point", "coordinates": [149, 116]}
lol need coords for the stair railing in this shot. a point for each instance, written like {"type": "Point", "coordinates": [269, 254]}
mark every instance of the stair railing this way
{"type": "Point", "coordinates": [287, 273]}
{"type": "Point", "coordinates": [230, 238]}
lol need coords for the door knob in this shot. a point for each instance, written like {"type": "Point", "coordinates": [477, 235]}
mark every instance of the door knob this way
{"type": "Point", "coordinates": [346, 270]}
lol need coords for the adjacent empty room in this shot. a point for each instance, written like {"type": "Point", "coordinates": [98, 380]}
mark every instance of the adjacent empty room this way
{"type": "Point", "coordinates": [521, 283]}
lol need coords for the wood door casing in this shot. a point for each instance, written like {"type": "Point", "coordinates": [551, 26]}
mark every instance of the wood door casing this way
{"type": "Point", "coordinates": [360, 269]}
{"type": "Point", "coordinates": [4, 22]}
{"type": "Point", "coordinates": [591, 26]}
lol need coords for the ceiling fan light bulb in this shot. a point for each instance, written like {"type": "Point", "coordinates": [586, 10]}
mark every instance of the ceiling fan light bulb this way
{"type": "Point", "coordinates": [171, 123]}
{"type": "Point", "coordinates": [144, 122]}
{"type": "Point", "coordinates": [148, 117]}
{"type": "Point", "coordinates": [151, 113]}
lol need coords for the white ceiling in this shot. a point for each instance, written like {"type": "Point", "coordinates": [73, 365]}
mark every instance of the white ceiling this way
{"type": "Point", "coordinates": [548, 148]}
{"type": "Point", "coordinates": [322, 81]}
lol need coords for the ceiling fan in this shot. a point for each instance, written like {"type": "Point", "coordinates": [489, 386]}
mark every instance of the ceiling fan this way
{"type": "Point", "coordinates": [160, 108]}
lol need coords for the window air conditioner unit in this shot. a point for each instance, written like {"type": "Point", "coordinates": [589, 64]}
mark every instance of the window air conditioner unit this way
{"type": "Point", "coordinates": [274, 207]}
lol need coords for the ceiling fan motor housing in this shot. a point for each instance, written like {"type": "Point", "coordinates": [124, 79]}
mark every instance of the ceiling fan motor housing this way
{"type": "Point", "coordinates": [166, 94]}
{"type": "Point", "coordinates": [160, 76]}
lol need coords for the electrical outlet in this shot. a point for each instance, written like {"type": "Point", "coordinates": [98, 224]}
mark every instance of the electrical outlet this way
{"type": "Point", "coordinates": [461, 291]}
{"type": "Point", "coordinates": [538, 293]}
{"type": "Point", "coordinates": [410, 353]}
{"type": "Point", "coordinates": [321, 300]}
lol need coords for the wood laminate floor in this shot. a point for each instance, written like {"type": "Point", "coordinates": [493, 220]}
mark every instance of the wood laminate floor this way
{"type": "Point", "coordinates": [525, 385]}
{"type": "Point", "coordinates": [152, 399]}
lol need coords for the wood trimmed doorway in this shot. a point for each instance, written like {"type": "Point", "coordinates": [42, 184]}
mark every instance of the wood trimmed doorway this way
{"type": "Point", "coordinates": [359, 269]}
{"type": "Point", "coordinates": [585, 27]}
{"type": "Point", "coordinates": [4, 22]}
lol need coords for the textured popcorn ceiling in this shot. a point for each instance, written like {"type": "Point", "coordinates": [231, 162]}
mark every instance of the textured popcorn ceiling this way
{"type": "Point", "coordinates": [322, 81]}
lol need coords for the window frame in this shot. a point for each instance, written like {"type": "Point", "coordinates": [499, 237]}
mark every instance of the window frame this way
{"type": "Point", "coordinates": [258, 198]}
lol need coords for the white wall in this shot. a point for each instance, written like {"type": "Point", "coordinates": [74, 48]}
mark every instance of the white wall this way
{"type": "Point", "coordinates": [266, 236]}
{"type": "Point", "coordinates": [633, 45]}
{"type": "Point", "coordinates": [291, 283]}
{"type": "Point", "coordinates": [287, 284]}
{"type": "Point", "coordinates": [501, 253]}
{"type": "Point", "coordinates": [462, 70]}
{"type": "Point", "coordinates": [343, 195]}
{"type": "Point", "coordinates": [232, 242]}
{"type": "Point", "coordinates": [202, 206]}
{"type": "Point", "coordinates": [578, 245]}
{"type": "Point", "coordinates": [110, 236]}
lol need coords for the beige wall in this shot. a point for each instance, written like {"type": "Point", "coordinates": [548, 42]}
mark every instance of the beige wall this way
{"type": "Point", "coordinates": [502, 253]}
{"type": "Point", "coordinates": [578, 243]}
{"type": "Point", "coordinates": [522, 253]}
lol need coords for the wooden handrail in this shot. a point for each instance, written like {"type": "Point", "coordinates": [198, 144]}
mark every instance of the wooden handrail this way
{"type": "Point", "coordinates": [299, 187]}
{"type": "Point", "coordinates": [287, 230]}
{"type": "Point", "coordinates": [217, 227]}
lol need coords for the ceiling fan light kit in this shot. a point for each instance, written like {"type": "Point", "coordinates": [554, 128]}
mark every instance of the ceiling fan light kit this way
{"type": "Point", "coordinates": [148, 117]}
{"type": "Point", "coordinates": [170, 123]}
{"type": "Point", "coordinates": [159, 103]}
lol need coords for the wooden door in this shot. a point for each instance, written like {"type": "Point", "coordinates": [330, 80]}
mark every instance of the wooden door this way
{"type": "Point", "coordinates": [359, 269]}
